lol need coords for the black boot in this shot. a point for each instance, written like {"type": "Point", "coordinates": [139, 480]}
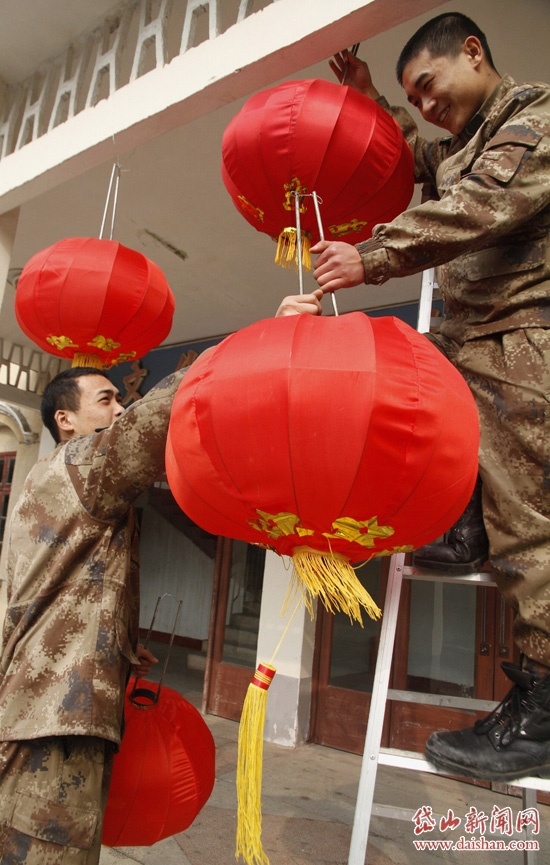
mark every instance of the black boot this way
{"type": "Point", "coordinates": [512, 742]}
{"type": "Point", "coordinates": [465, 546]}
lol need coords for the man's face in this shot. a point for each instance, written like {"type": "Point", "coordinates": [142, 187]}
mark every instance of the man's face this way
{"type": "Point", "coordinates": [100, 404]}
{"type": "Point", "coordinates": [447, 91]}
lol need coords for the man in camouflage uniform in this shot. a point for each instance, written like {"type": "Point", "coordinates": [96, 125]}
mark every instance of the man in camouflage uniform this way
{"type": "Point", "coordinates": [70, 633]}
{"type": "Point", "coordinates": [488, 232]}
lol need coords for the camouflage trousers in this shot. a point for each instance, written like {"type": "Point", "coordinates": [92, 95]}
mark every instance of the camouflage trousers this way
{"type": "Point", "coordinates": [509, 376]}
{"type": "Point", "coordinates": [53, 793]}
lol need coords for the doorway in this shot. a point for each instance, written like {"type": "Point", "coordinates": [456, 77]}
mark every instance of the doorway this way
{"type": "Point", "coordinates": [235, 618]}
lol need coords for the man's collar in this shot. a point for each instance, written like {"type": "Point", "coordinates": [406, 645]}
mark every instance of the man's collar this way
{"type": "Point", "coordinates": [478, 119]}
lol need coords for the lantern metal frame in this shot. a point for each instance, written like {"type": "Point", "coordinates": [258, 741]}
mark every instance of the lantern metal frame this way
{"type": "Point", "coordinates": [316, 201]}
{"type": "Point", "coordinates": [148, 693]}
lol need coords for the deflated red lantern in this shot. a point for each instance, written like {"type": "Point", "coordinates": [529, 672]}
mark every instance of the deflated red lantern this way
{"type": "Point", "coordinates": [325, 439]}
{"type": "Point", "coordinates": [164, 772]}
{"type": "Point", "coordinates": [94, 301]}
{"type": "Point", "coordinates": [313, 135]}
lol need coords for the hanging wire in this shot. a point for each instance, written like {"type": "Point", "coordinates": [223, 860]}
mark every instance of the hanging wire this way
{"type": "Point", "coordinates": [115, 178]}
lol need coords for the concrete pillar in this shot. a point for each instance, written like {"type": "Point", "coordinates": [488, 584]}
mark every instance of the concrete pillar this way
{"type": "Point", "coordinates": [20, 433]}
{"type": "Point", "coordinates": [8, 227]}
{"type": "Point", "coordinates": [289, 696]}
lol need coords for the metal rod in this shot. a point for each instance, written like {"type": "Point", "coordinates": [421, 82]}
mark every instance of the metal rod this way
{"type": "Point", "coordinates": [299, 241]}
{"type": "Point", "coordinates": [353, 51]}
{"type": "Point", "coordinates": [322, 237]}
{"type": "Point", "coordinates": [425, 302]}
{"type": "Point", "coordinates": [151, 695]}
{"type": "Point", "coordinates": [169, 648]}
{"type": "Point", "coordinates": [115, 178]}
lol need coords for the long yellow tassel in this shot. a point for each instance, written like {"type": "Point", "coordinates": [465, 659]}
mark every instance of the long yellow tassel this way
{"type": "Point", "coordinates": [287, 253]}
{"type": "Point", "coordinates": [249, 769]}
{"type": "Point", "coordinates": [330, 577]}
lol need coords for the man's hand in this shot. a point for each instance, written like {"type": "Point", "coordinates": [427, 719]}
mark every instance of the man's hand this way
{"type": "Point", "coordinates": [146, 660]}
{"type": "Point", "coordinates": [339, 265]}
{"type": "Point", "coordinates": [353, 72]}
{"type": "Point", "coordinates": [296, 304]}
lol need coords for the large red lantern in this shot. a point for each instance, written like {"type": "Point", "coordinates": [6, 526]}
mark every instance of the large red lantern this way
{"type": "Point", "coordinates": [164, 772]}
{"type": "Point", "coordinates": [337, 438]}
{"type": "Point", "coordinates": [313, 135]}
{"type": "Point", "coordinates": [95, 301]}
{"type": "Point", "coordinates": [331, 440]}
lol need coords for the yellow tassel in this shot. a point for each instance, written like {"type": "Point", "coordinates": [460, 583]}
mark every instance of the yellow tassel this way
{"type": "Point", "coordinates": [249, 769]}
{"type": "Point", "coordinates": [330, 577]}
{"type": "Point", "coordinates": [287, 253]}
{"type": "Point", "coordinates": [80, 359]}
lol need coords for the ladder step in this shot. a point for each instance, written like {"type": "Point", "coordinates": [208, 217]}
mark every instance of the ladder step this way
{"type": "Point", "coordinates": [418, 763]}
{"type": "Point", "coordinates": [450, 702]}
{"type": "Point", "coordinates": [481, 578]}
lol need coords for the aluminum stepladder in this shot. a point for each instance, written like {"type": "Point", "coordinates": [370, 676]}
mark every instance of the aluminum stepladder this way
{"type": "Point", "coordinates": [373, 754]}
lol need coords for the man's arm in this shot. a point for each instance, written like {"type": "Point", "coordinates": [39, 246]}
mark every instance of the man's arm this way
{"type": "Point", "coordinates": [112, 468]}
{"type": "Point", "coordinates": [503, 189]}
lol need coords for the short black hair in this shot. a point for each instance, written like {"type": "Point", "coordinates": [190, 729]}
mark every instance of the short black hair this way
{"type": "Point", "coordinates": [63, 392]}
{"type": "Point", "coordinates": [443, 35]}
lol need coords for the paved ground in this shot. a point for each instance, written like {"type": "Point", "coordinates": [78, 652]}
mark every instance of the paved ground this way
{"type": "Point", "coordinates": [309, 796]}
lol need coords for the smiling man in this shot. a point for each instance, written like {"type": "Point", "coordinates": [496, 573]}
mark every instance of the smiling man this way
{"type": "Point", "coordinates": [71, 628]}
{"type": "Point", "coordinates": [486, 226]}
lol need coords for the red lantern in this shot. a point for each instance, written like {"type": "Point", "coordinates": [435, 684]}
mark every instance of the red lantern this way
{"type": "Point", "coordinates": [93, 300]}
{"type": "Point", "coordinates": [313, 135]}
{"type": "Point", "coordinates": [330, 440]}
{"type": "Point", "coordinates": [164, 772]}
{"type": "Point", "coordinates": [340, 437]}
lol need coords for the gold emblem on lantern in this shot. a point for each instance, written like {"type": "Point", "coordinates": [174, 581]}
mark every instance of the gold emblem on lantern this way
{"type": "Point", "coordinates": [104, 343]}
{"type": "Point", "coordinates": [249, 208]}
{"type": "Point", "coordinates": [360, 532]}
{"type": "Point", "coordinates": [292, 188]}
{"type": "Point", "coordinates": [406, 548]}
{"type": "Point", "coordinates": [353, 226]}
{"type": "Point", "coordinates": [279, 525]}
{"type": "Point", "coordinates": [346, 528]}
{"type": "Point", "coordinates": [61, 342]}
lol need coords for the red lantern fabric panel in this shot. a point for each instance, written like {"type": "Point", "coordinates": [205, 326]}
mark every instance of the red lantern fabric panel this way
{"type": "Point", "coordinates": [163, 774]}
{"type": "Point", "coordinates": [316, 135]}
{"type": "Point", "coordinates": [94, 296]}
{"type": "Point", "coordinates": [318, 431]}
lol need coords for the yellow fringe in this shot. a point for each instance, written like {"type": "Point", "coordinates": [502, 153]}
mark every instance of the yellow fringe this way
{"type": "Point", "coordinates": [287, 253]}
{"type": "Point", "coordinates": [80, 359]}
{"type": "Point", "coordinates": [249, 777]}
{"type": "Point", "coordinates": [330, 577]}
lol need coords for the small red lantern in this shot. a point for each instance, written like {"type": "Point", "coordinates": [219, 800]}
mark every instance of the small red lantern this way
{"type": "Point", "coordinates": [313, 135]}
{"type": "Point", "coordinates": [164, 772]}
{"type": "Point", "coordinates": [324, 438]}
{"type": "Point", "coordinates": [94, 301]}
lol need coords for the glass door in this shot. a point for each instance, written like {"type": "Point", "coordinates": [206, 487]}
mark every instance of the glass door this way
{"type": "Point", "coordinates": [450, 641]}
{"type": "Point", "coordinates": [345, 658]}
{"type": "Point", "coordinates": [233, 639]}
